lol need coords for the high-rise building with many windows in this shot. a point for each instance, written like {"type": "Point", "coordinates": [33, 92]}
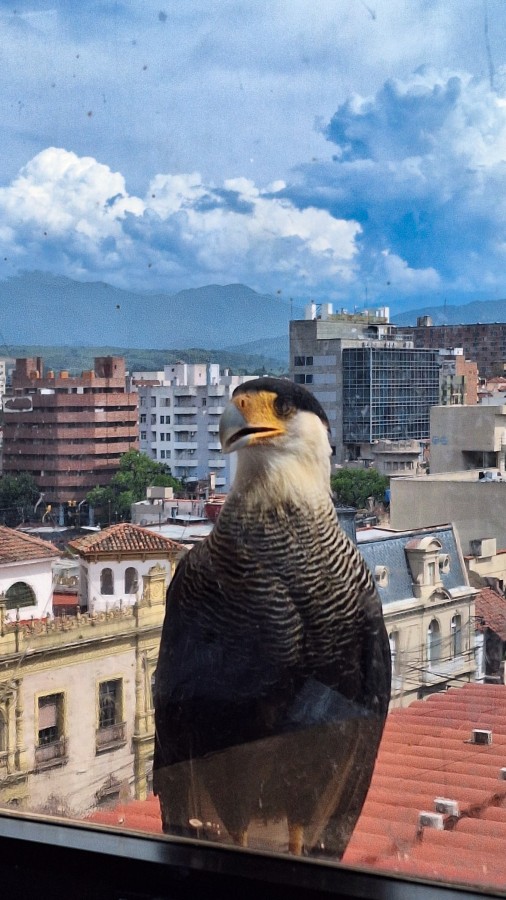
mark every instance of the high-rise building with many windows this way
{"type": "Point", "coordinates": [179, 411]}
{"type": "Point", "coordinates": [372, 383]}
{"type": "Point", "coordinates": [67, 431]}
{"type": "Point", "coordinates": [387, 393]}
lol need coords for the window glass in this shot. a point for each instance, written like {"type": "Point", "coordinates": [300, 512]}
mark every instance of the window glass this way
{"type": "Point", "coordinates": [19, 594]}
{"type": "Point", "coordinates": [106, 581]}
{"type": "Point", "coordinates": [192, 196]}
{"type": "Point", "coordinates": [131, 580]}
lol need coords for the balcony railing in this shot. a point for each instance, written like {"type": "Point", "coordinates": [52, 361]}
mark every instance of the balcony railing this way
{"type": "Point", "coordinates": [53, 754]}
{"type": "Point", "coordinates": [180, 410]}
{"type": "Point", "coordinates": [111, 736]}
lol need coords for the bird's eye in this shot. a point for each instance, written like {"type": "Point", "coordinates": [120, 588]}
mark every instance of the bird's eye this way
{"type": "Point", "coordinates": [283, 407]}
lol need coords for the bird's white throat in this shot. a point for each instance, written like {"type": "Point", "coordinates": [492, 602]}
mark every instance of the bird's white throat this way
{"type": "Point", "coordinates": [293, 468]}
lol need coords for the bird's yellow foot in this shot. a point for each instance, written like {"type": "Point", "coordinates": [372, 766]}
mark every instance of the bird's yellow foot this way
{"type": "Point", "coordinates": [295, 838]}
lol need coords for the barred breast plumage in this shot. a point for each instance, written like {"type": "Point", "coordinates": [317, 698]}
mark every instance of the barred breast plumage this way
{"type": "Point", "coordinates": [273, 678]}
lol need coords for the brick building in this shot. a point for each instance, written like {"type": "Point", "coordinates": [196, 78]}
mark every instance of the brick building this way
{"type": "Point", "coordinates": [68, 432]}
{"type": "Point", "coordinates": [458, 379]}
{"type": "Point", "coordinates": [484, 343]}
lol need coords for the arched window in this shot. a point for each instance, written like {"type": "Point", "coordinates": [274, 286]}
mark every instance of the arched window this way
{"type": "Point", "coordinates": [106, 581]}
{"type": "Point", "coordinates": [20, 594]}
{"type": "Point", "coordinates": [131, 580]}
{"type": "Point", "coordinates": [456, 633]}
{"type": "Point", "coordinates": [433, 642]}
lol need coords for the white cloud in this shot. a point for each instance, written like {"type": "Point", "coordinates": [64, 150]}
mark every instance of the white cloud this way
{"type": "Point", "coordinates": [74, 214]}
{"type": "Point", "coordinates": [59, 192]}
{"type": "Point", "coordinates": [395, 270]}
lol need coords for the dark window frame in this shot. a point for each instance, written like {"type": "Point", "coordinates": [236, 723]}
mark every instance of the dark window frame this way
{"type": "Point", "coordinates": [106, 865]}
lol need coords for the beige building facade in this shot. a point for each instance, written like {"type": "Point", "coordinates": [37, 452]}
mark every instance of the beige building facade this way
{"type": "Point", "coordinates": [467, 480]}
{"type": "Point", "coordinates": [467, 437]}
{"type": "Point", "coordinates": [476, 507]}
{"type": "Point", "coordinates": [76, 705]}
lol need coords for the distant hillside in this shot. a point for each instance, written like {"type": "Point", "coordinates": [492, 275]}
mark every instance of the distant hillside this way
{"type": "Point", "coordinates": [276, 348]}
{"type": "Point", "coordinates": [54, 310]}
{"type": "Point", "coordinates": [465, 314]}
{"type": "Point", "coordinates": [79, 359]}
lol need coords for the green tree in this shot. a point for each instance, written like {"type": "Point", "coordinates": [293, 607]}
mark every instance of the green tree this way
{"type": "Point", "coordinates": [352, 487]}
{"type": "Point", "coordinates": [136, 473]}
{"type": "Point", "coordinates": [18, 495]}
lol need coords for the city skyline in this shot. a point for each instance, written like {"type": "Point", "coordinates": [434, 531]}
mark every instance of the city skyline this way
{"type": "Point", "coordinates": [355, 155]}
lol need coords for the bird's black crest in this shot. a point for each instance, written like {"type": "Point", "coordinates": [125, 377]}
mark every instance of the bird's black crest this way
{"type": "Point", "coordinates": [289, 395]}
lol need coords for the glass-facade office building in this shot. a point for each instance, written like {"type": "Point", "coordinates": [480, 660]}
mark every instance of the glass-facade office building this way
{"type": "Point", "coordinates": [387, 393]}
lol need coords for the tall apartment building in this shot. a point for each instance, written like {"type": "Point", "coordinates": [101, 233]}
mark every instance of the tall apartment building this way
{"type": "Point", "coordinates": [68, 432]}
{"type": "Point", "coordinates": [484, 343]}
{"type": "Point", "coordinates": [373, 384]}
{"type": "Point", "coordinates": [179, 411]}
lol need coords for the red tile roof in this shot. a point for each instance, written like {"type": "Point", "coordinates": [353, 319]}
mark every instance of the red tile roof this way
{"type": "Point", "coordinates": [426, 752]}
{"type": "Point", "coordinates": [124, 538]}
{"type": "Point", "coordinates": [492, 609]}
{"type": "Point", "coordinates": [15, 546]}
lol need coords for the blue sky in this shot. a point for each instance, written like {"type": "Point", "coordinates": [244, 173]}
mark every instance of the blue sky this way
{"type": "Point", "coordinates": [335, 149]}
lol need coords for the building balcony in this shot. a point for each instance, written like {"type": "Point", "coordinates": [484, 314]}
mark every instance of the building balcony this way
{"type": "Point", "coordinates": [82, 431]}
{"type": "Point", "coordinates": [180, 466]}
{"type": "Point", "coordinates": [49, 755]}
{"type": "Point", "coordinates": [184, 427]}
{"type": "Point", "coordinates": [215, 410]}
{"type": "Point", "coordinates": [216, 390]}
{"type": "Point", "coordinates": [185, 445]}
{"type": "Point", "coordinates": [79, 463]}
{"type": "Point", "coordinates": [185, 410]}
{"type": "Point", "coordinates": [110, 737]}
{"type": "Point", "coordinates": [401, 447]}
{"type": "Point", "coordinates": [436, 672]}
{"type": "Point", "coordinates": [185, 454]}
{"type": "Point", "coordinates": [85, 402]}
{"type": "Point", "coordinates": [214, 428]}
{"type": "Point", "coordinates": [215, 445]}
{"type": "Point", "coordinates": [217, 463]}
{"type": "Point", "coordinates": [185, 390]}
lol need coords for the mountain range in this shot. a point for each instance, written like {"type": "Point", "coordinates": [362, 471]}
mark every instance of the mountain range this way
{"type": "Point", "coordinates": [38, 308]}
{"type": "Point", "coordinates": [41, 308]}
{"type": "Point", "coordinates": [461, 314]}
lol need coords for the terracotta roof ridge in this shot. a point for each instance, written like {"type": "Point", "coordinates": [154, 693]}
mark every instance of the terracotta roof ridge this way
{"type": "Point", "coordinates": [31, 539]}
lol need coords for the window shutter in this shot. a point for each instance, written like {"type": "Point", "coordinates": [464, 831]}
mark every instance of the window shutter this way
{"type": "Point", "coordinates": [48, 713]}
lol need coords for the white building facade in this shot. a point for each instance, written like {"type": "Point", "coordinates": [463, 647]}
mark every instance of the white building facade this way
{"type": "Point", "coordinates": [179, 419]}
{"type": "Point", "coordinates": [26, 575]}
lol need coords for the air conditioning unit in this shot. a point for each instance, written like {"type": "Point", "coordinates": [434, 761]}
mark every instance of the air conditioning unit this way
{"type": "Point", "coordinates": [483, 547]}
{"type": "Point", "coordinates": [431, 820]}
{"type": "Point", "coordinates": [446, 807]}
{"type": "Point", "coordinates": [481, 736]}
